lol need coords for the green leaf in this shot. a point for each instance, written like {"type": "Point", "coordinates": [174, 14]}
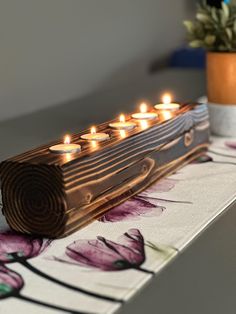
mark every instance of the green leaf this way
{"type": "Point", "coordinates": [214, 14]}
{"type": "Point", "coordinates": [162, 249]}
{"type": "Point", "coordinates": [213, 27]}
{"type": "Point", "coordinates": [223, 20]}
{"type": "Point", "coordinates": [196, 43]}
{"type": "Point", "coordinates": [204, 4]}
{"type": "Point", "coordinates": [229, 33]}
{"type": "Point", "coordinates": [209, 27]}
{"type": "Point", "coordinates": [210, 39]}
{"type": "Point", "coordinates": [203, 18]}
{"type": "Point", "coordinates": [190, 26]}
{"type": "Point", "coordinates": [4, 289]}
{"type": "Point", "coordinates": [234, 26]}
{"type": "Point", "coordinates": [225, 9]}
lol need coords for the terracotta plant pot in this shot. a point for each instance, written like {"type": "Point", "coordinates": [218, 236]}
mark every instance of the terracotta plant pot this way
{"type": "Point", "coordinates": [221, 90]}
{"type": "Point", "coordinates": [221, 77]}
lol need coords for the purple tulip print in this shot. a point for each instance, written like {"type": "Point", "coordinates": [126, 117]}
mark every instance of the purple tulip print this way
{"type": "Point", "coordinates": [132, 209]}
{"type": "Point", "coordinates": [152, 194]}
{"type": "Point", "coordinates": [10, 282]}
{"type": "Point", "coordinates": [230, 144]}
{"type": "Point", "coordinates": [18, 248]}
{"type": "Point", "coordinates": [164, 185]}
{"type": "Point", "coordinates": [106, 255]}
{"type": "Point", "coordinates": [22, 245]}
{"type": "Point", "coordinates": [142, 205]}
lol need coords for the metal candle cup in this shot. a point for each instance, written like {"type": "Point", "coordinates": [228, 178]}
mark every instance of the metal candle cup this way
{"type": "Point", "coordinates": [66, 147]}
{"type": "Point", "coordinates": [94, 136]}
{"type": "Point", "coordinates": [122, 124]}
{"type": "Point", "coordinates": [144, 114]}
{"type": "Point", "coordinates": [167, 104]}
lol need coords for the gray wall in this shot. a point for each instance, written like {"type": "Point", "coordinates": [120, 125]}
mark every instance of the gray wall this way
{"type": "Point", "coordinates": [56, 50]}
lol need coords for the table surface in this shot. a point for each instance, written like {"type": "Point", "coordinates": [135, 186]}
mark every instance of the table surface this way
{"type": "Point", "coordinates": [129, 247]}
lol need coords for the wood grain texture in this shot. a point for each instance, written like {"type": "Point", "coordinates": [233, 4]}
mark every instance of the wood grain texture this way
{"type": "Point", "coordinates": [54, 195]}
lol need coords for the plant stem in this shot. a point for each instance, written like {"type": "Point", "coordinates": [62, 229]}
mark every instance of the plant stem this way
{"type": "Point", "coordinates": [220, 154]}
{"type": "Point", "coordinates": [48, 305]}
{"type": "Point", "coordinates": [224, 162]}
{"type": "Point", "coordinates": [38, 272]}
{"type": "Point", "coordinates": [144, 270]}
{"type": "Point", "coordinates": [165, 200]}
{"type": "Point", "coordinates": [159, 249]}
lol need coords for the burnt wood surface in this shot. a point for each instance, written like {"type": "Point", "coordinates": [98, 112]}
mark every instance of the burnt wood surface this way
{"type": "Point", "coordinates": [54, 195]}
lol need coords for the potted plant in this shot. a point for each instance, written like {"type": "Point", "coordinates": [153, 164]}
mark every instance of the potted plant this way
{"type": "Point", "coordinates": [214, 29]}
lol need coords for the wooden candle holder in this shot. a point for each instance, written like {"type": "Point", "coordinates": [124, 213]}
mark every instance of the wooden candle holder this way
{"type": "Point", "coordinates": [54, 195]}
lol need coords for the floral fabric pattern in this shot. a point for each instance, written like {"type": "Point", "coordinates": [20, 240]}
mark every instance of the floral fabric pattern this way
{"type": "Point", "coordinates": [98, 268]}
{"type": "Point", "coordinates": [24, 245]}
{"type": "Point", "coordinates": [127, 252]}
{"type": "Point", "coordinates": [141, 205]}
{"type": "Point", "coordinates": [10, 282]}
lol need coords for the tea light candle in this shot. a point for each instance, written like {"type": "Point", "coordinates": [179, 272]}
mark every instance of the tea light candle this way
{"type": "Point", "coordinates": [66, 147]}
{"type": "Point", "coordinates": [122, 124]}
{"type": "Point", "coordinates": [144, 114]}
{"type": "Point", "coordinates": [94, 136]}
{"type": "Point", "coordinates": [167, 104]}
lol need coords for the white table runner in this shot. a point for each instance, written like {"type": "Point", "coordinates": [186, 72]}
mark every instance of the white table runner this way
{"type": "Point", "coordinates": [155, 226]}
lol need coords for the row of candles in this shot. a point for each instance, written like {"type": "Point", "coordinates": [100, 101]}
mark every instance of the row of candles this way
{"type": "Point", "coordinates": [166, 108]}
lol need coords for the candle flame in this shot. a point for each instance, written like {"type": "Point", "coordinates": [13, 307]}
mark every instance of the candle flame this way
{"type": "Point", "coordinates": [67, 139]}
{"type": "Point", "coordinates": [166, 99]}
{"type": "Point", "coordinates": [93, 130]}
{"type": "Point", "coordinates": [122, 118]}
{"type": "Point", "coordinates": [143, 108]}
